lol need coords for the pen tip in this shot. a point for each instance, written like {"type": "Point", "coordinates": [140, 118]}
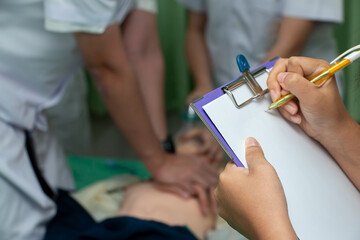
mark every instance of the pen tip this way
{"type": "Point", "coordinates": [271, 107]}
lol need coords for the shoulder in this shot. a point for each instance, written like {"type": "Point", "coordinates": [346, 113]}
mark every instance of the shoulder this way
{"type": "Point", "coordinates": [92, 16]}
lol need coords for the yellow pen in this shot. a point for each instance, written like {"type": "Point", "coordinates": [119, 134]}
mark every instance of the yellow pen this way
{"type": "Point", "coordinates": [320, 78]}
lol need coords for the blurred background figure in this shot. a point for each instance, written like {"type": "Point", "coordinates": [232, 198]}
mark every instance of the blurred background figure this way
{"type": "Point", "coordinates": [70, 117]}
{"type": "Point", "coordinates": [261, 29]}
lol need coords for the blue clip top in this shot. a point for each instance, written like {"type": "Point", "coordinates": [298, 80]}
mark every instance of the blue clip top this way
{"type": "Point", "coordinates": [242, 63]}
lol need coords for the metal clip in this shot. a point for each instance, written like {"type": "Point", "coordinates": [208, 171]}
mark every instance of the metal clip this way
{"type": "Point", "coordinates": [248, 78]}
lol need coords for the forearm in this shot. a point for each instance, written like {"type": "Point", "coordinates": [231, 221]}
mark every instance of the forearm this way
{"type": "Point", "coordinates": [105, 59]}
{"type": "Point", "coordinates": [198, 56]}
{"type": "Point", "coordinates": [123, 101]}
{"type": "Point", "coordinates": [292, 36]}
{"type": "Point", "coordinates": [142, 47]}
{"type": "Point", "coordinates": [344, 145]}
{"type": "Point", "coordinates": [149, 71]}
{"type": "Point", "coordinates": [278, 231]}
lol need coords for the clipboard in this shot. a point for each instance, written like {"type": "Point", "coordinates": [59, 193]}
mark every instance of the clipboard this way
{"type": "Point", "coordinates": [322, 202]}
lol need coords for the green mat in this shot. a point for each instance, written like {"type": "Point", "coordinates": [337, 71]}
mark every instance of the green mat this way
{"type": "Point", "coordinates": [87, 170]}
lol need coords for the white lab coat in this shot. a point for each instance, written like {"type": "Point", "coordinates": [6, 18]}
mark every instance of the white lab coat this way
{"type": "Point", "coordinates": [35, 66]}
{"type": "Point", "coordinates": [147, 5]}
{"type": "Point", "coordinates": [249, 27]}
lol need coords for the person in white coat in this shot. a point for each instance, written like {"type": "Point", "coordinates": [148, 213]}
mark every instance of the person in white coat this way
{"type": "Point", "coordinates": [259, 29]}
{"type": "Point", "coordinates": [42, 44]}
{"type": "Point", "coordinates": [70, 117]}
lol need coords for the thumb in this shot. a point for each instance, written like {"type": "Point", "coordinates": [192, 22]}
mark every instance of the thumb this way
{"type": "Point", "coordinates": [297, 85]}
{"type": "Point", "coordinates": [254, 154]}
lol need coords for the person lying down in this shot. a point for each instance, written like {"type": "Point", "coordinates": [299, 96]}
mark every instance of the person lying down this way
{"type": "Point", "coordinates": [145, 201]}
{"type": "Point", "coordinates": [124, 207]}
{"type": "Point", "coordinates": [150, 211]}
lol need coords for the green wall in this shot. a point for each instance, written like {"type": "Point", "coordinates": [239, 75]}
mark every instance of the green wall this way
{"type": "Point", "coordinates": [172, 29]}
{"type": "Point", "coordinates": [348, 35]}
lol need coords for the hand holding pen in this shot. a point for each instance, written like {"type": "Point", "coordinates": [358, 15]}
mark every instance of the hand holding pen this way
{"type": "Point", "coordinates": [323, 76]}
{"type": "Point", "coordinates": [319, 111]}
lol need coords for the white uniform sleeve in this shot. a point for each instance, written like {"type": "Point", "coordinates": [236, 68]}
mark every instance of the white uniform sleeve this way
{"type": "Point", "coordinates": [92, 16]}
{"type": "Point", "coordinates": [147, 5]}
{"type": "Point", "coordinates": [317, 10]}
{"type": "Point", "coordinates": [194, 5]}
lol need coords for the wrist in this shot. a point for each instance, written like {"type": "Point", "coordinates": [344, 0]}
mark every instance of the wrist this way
{"type": "Point", "coordinates": [154, 161]}
{"type": "Point", "coordinates": [279, 230]}
{"type": "Point", "coordinates": [206, 85]}
{"type": "Point", "coordinates": [168, 144]}
{"type": "Point", "coordinates": [342, 131]}
{"type": "Point", "coordinates": [343, 146]}
{"type": "Point", "coordinates": [203, 81]}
